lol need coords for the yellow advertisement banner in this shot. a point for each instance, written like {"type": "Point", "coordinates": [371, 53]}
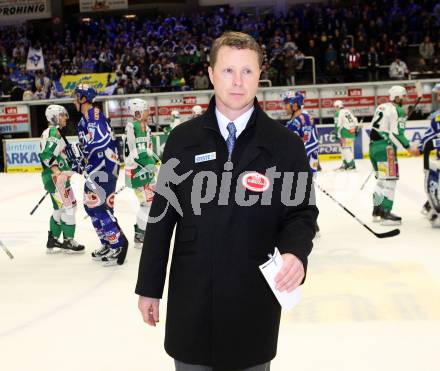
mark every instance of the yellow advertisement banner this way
{"type": "Point", "coordinates": [25, 169]}
{"type": "Point", "coordinates": [98, 80]}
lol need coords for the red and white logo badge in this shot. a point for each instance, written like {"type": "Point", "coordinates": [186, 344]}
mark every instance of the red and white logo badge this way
{"type": "Point", "coordinates": [255, 182]}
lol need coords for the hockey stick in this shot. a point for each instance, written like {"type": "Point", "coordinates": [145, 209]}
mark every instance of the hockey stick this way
{"type": "Point", "coordinates": [366, 180]}
{"type": "Point", "coordinates": [81, 167]}
{"type": "Point", "coordinates": [144, 170]}
{"type": "Point", "coordinates": [6, 250]}
{"type": "Point", "coordinates": [42, 198]}
{"type": "Point", "coordinates": [419, 92]}
{"type": "Point", "coordinates": [69, 145]}
{"type": "Point", "coordinates": [360, 123]}
{"type": "Point", "coordinates": [156, 157]}
{"type": "Point", "coordinates": [78, 162]}
{"type": "Point", "coordinates": [147, 169]}
{"type": "Point", "coordinates": [39, 202]}
{"type": "Point", "coordinates": [391, 233]}
{"type": "Point", "coordinates": [116, 192]}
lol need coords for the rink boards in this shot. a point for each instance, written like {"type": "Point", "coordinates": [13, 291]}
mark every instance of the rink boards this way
{"type": "Point", "coordinates": [21, 155]}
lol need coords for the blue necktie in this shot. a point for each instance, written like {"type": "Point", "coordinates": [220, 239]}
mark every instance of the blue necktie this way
{"type": "Point", "coordinates": [230, 141]}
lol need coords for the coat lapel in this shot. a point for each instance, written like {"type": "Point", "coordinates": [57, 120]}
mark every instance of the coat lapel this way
{"type": "Point", "coordinates": [248, 155]}
{"type": "Point", "coordinates": [255, 140]}
{"type": "Point", "coordinates": [213, 139]}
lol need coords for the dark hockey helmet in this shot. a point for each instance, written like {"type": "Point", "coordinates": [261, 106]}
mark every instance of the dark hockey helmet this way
{"type": "Point", "coordinates": [291, 97]}
{"type": "Point", "coordinates": [86, 91]}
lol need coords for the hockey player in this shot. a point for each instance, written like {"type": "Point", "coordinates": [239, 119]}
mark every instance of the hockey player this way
{"type": "Point", "coordinates": [56, 180]}
{"type": "Point", "coordinates": [139, 164]}
{"type": "Point", "coordinates": [196, 111]}
{"type": "Point", "coordinates": [302, 124]}
{"type": "Point", "coordinates": [345, 127]}
{"type": "Point", "coordinates": [96, 157]}
{"type": "Point", "coordinates": [175, 119]}
{"type": "Point", "coordinates": [387, 132]}
{"type": "Point", "coordinates": [430, 142]}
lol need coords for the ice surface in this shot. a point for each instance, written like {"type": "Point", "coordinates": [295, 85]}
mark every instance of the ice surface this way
{"type": "Point", "coordinates": [368, 304]}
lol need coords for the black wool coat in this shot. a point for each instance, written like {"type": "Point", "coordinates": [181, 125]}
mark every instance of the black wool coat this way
{"type": "Point", "coordinates": [220, 310]}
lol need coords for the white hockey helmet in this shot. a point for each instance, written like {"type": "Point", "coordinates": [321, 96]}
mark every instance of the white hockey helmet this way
{"type": "Point", "coordinates": [436, 88]}
{"type": "Point", "coordinates": [396, 91]}
{"type": "Point", "coordinates": [53, 113]}
{"type": "Point", "coordinates": [137, 105]}
{"type": "Point", "coordinates": [338, 104]}
{"type": "Point", "coordinates": [175, 114]}
{"type": "Point", "coordinates": [197, 110]}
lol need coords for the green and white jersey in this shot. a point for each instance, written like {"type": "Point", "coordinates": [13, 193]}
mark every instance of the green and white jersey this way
{"type": "Point", "coordinates": [389, 123]}
{"type": "Point", "coordinates": [52, 147]}
{"type": "Point", "coordinates": [138, 154]}
{"type": "Point", "coordinates": [345, 123]}
{"type": "Point", "coordinates": [138, 145]}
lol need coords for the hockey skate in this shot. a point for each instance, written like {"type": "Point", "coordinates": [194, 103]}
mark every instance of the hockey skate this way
{"type": "Point", "coordinates": [426, 209]}
{"type": "Point", "coordinates": [350, 165]}
{"type": "Point", "coordinates": [388, 218]}
{"type": "Point", "coordinates": [53, 245]}
{"type": "Point", "coordinates": [70, 246]}
{"type": "Point", "coordinates": [377, 214]}
{"type": "Point", "coordinates": [343, 167]}
{"type": "Point", "coordinates": [116, 256]}
{"type": "Point", "coordinates": [347, 166]}
{"type": "Point", "coordinates": [139, 235]}
{"type": "Point", "coordinates": [433, 219]}
{"type": "Point", "coordinates": [98, 254]}
{"type": "Point", "coordinates": [112, 257]}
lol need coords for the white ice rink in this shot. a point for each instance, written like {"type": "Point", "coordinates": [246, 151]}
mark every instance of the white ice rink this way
{"type": "Point", "coordinates": [368, 304]}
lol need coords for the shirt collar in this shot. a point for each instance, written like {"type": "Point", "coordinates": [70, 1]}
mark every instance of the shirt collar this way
{"type": "Point", "coordinates": [240, 122]}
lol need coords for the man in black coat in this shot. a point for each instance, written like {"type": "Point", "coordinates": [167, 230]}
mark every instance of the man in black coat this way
{"type": "Point", "coordinates": [236, 184]}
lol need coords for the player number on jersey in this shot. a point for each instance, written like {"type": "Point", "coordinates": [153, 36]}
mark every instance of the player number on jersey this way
{"type": "Point", "coordinates": [376, 122]}
{"type": "Point", "coordinates": [349, 118]}
{"type": "Point", "coordinates": [126, 149]}
{"type": "Point", "coordinates": [141, 147]}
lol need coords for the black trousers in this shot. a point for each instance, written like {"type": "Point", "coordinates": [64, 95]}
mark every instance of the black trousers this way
{"type": "Point", "coordinates": [180, 366]}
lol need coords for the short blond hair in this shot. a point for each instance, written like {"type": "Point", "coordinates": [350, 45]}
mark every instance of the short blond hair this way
{"type": "Point", "coordinates": [237, 40]}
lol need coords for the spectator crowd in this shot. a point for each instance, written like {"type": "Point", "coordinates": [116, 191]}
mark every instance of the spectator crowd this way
{"type": "Point", "coordinates": [351, 41]}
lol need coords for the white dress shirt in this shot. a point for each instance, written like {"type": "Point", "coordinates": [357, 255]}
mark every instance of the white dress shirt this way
{"type": "Point", "coordinates": [240, 122]}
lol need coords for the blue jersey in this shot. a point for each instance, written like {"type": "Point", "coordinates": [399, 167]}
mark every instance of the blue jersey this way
{"type": "Point", "coordinates": [305, 128]}
{"type": "Point", "coordinates": [97, 142]}
{"type": "Point", "coordinates": [433, 132]}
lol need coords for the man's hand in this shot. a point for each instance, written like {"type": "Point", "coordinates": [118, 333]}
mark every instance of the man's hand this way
{"type": "Point", "coordinates": [413, 151]}
{"type": "Point", "coordinates": [55, 170]}
{"type": "Point", "coordinates": [413, 148]}
{"type": "Point", "coordinates": [291, 274]}
{"type": "Point", "coordinates": [74, 152]}
{"type": "Point", "coordinates": [149, 308]}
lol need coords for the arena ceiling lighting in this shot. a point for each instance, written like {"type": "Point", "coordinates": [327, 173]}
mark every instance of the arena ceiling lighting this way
{"type": "Point", "coordinates": [130, 16]}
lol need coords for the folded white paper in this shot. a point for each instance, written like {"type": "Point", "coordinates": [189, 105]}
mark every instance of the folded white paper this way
{"type": "Point", "coordinates": [270, 269]}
